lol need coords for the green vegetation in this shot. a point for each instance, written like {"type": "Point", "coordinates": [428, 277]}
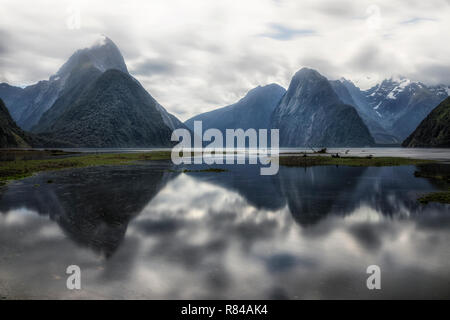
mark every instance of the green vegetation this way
{"type": "Point", "coordinates": [18, 164]}
{"type": "Point", "coordinates": [20, 168]}
{"type": "Point", "coordinates": [441, 178]}
{"type": "Point", "coordinates": [32, 154]}
{"type": "Point", "coordinates": [309, 161]}
{"type": "Point", "coordinates": [369, 161]}
{"type": "Point", "coordinates": [442, 197]}
{"type": "Point", "coordinates": [434, 130]}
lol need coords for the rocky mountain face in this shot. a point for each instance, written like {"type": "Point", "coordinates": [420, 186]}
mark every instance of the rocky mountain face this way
{"type": "Point", "coordinates": [311, 114]}
{"type": "Point", "coordinates": [434, 130]}
{"type": "Point", "coordinates": [109, 110]}
{"type": "Point", "coordinates": [395, 105]}
{"type": "Point", "coordinates": [47, 106]}
{"type": "Point", "coordinates": [11, 136]}
{"type": "Point", "coordinates": [9, 94]}
{"type": "Point", "coordinates": [314, 111]}
{"type": "Point", "coordinates": [27, 105]}
{"type": "Point", "coordinates": [368, 115]}
{"type": "Point", "coordinates": [252, 111]}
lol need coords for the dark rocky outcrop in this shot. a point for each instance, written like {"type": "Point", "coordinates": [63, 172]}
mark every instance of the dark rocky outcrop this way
{"type": "Point", "coordinates": [434, 130]}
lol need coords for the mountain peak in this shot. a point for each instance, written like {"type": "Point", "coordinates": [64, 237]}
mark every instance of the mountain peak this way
{"type": "Point", "coordinates": [307, 73]}
{"type": "Point", "coordinates": [101, 40]}
{"type": "Point", "coordinates": [269, 88]}
{"type": "Point", "coordinates": [311, 114]}
{"type": "Point", "coordinates": [399, 79]}
{"type": "Point", "coordinates": [252, 111]}
{"type": "Point", "coordinates": [103, 54]}
{"type": "Point", "coordinates": [311, 88]}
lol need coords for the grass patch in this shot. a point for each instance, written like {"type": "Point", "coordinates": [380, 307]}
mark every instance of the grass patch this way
{"type": "Point", "coordinates": [309, 161]}
{"type": "Point", "coordinates": [18, 169]}
{"type": "Point", "coordinates": [441, 177]}
{"type": "Point", "coordinates": [441, 197]}
{"type": "Point", "coordinates": [437, 174]}
{"type": "Point", "coordinates": [32, 154]}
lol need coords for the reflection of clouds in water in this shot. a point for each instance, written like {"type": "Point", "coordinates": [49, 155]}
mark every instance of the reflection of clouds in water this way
{"type": "Point", "coordinates": [200, 238]}
{"type": "Point", "coordinates": [266, 245]}
{"type": "Point", "coordinates": [200, 253]}
{"type": "Point", "coordinates": [16, 217]}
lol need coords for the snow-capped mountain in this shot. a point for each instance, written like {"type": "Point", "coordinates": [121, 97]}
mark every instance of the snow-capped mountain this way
{"type": "Point", "coordinates": [397, 104]}
{"type": "Point", "coordinates": [368, 115]}
{"type": "Point", "coordinates": [440, 90]}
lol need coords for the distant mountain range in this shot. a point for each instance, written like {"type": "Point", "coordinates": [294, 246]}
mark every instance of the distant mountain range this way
{"type": "Point", "coordinates": [434, 130]}
{"type": "Point", "coordinates": [309, 113]}
{"type": "Point", "coordinates": [92, 101]}
{"type": "Point", "coordinates": [367, 114]}
{"type": "Point", "coordinates": [316, 111]}
{"type": "Point", "coordinates": [397, 105]}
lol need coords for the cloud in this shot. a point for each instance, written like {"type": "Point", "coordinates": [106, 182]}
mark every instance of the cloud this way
{"type": "Point", "coordinates": [416, 20]}
{"type": "Point", "coordinates": [281, 32]}
{"type": "Point", "coordinates": [434, 72]}
{"type": "Point", "coordinates": [198, 55]}
{"type": "Point", "coordinates": [154, 66]}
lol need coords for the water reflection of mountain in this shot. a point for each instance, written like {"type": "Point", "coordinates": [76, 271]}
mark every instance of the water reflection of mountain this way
{"type": "Point", "coordinates": [262, 192]}
{"type": "Point", "coordinates": [92, 205]}
{"type": "Point", "coordinates": [313, 193]}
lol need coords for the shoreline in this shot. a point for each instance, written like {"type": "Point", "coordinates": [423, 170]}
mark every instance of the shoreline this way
{"type": "Point", "coordinates": [16, 164]}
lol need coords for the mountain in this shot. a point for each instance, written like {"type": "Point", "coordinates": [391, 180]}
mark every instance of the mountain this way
{"type": "Point", "coordinates": [434, 130]}
{"type": "Point", "coordinates": [252, 111]}
{"type": "Point", "coordinates": [169, 119]}
{"type": "Point", "coordinates": [368, 115]}
{"type": "Point", "coordinates": [42, 107]}
{"type": "Point", "coordinates": [402, 104]}
{"type": "Point", "coordinates": [311, 114]}
{"type": "Point", "coordinates": [110, 109]}
{"type": "Point", "coordinates": [59, 108]}
{"type": "Point", "coordinates": [28, 104]}
{"type": "Point", "coordinates": [9, 94]}
{"type": "Point", "coordinates": [103, 55]}
{"type": "Point", "coordinates": [398, 105]}
{"type": "Point", "coordinates": [11, 136]}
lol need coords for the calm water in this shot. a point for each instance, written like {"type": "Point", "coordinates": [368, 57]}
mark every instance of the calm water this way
{"type": "Point", "coordinates": [148, 232]}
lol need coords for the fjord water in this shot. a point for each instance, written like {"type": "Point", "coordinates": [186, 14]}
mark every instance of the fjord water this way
{"type": "Point", "coordinates": [153, 231]}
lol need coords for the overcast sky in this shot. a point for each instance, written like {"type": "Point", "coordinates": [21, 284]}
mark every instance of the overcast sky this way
{"type": "Point", "coordinates": [197, 55]}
